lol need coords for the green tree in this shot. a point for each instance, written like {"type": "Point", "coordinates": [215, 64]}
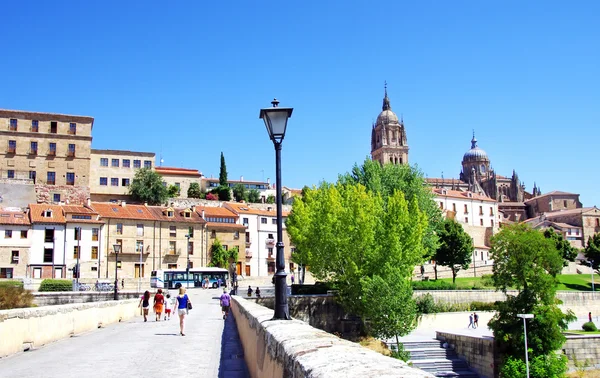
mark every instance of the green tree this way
{"type": "Point", "coordinates": [218, 255]}
{"type": "Point", "coordinates": [270, 199]}
{"type": "Point", "coordinates": [194, 190]}
{"type": "Point", "coordinates": [173, 191]}
{"type": "Point", "coordinates": [527, 261]}
{"type": "Point", "coordinates": [254, 196]}
{"type": "Point", "coordinates": [569, 253]}
{"type": "Point", "coordinates": [223, 172]}
{"type": "Point", "coordinates": [592, 251]}
{"type": "Point", "coordinates": [455, 247]}
{"type": "Point", "coordinates": [240, 193]}
{"type": "Point", "coordinates": [147, 186]}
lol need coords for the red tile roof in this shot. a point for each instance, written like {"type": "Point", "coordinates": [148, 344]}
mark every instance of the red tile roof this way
{"type": "Point", "coordinates": [242, 208]}
{"type": "Point", "coordinates": [160, 213]}
{"type": "Point", "coordinates": [17, 218]}
{"type": "Point", "coordinates": [210, 211]}
{"type": "Point", "coordinates": [230, 226]}
{"type": "Point", "coordinates": [177, 171]}
{"type": "Point", "coordinates": [118, 211]}
{"type": "Point", "coordinates": [461, 195]}
{"type": "Point", "coordinates": [37, 210]}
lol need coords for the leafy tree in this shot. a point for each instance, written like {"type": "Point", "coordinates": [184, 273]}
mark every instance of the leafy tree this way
{"type": "Point", "coordinates": [455, 248]}
{"type": "Point", "coordinates": [544, 366]}
{"type": "Point", "coordinates": [224, 193]}
{"type": "Point", "coordinates": [194, 190]}
{"type": "Point", "coordinates": [569, 253]}
{"type": "Point", "coordinates": [528, 262]}
{"type": "Point", "coordinates": [270, 199]}
{"type": "Point", "coordinates": [218, 255]}
{"type": "Point", "coordinates": [254, 196]}
{"type": "Point", "coordinates": [388, 178]}
{"type": "Point", "coordinates": [173, 191]}
{"type": "Point", "coordinates": [592, 251]}
{"type": "Point", "coordinates": [240, 193]}
{"type": "Point", "coordinates": [147, 186]}
{"type": "Point", "coordinates": [223, 172]}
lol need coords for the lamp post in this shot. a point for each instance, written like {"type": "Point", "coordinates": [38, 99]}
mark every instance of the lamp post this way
{"type": "Point", "coordinates": [187, 266]}
{"type": "Point", "coordinates": [78, 232]}
{"type": "Point", "coordinates": [525, 317]}
{"type": "Point", "coordinates": [276, 119]}
{"type": "Point", "coordinates": [592, 269]}
{"type": "Point", "coordinates": [117, 249]}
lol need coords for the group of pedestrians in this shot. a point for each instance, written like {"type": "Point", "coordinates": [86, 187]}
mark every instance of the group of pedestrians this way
{"type": "Point", "coordinates": [473, 320]}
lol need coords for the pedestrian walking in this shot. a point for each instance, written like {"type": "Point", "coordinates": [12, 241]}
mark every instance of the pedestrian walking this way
{"type": "Point", "coordinates": [123, 283]}
{"type": "Point", "coordinates": [159, 301]}
{"type": "Point", "coordinates": [249, 290]}
{"type": "Point", "coordinates": [168, 307]}
{"type": "Point", "coordinates": [292, 278]}
{"type": "Point", "coordinates": [219, 282]}
{"type": "Point", "coordinates": [475, 320]}
{"type": "Point", "coordinates": [225, 301]}
{"type": "Point", "coordinates": [145, 304]}
{"type": "Point", "coordinates": [257, 292]}
{"type": "Point", "coordinates": [471, 325]}
{"type": "Point", "coordinates": [183, 304]}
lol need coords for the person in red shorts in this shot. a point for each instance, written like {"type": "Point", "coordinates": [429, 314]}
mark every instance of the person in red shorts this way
{"type": "Point", "coordinates": [168, 307]}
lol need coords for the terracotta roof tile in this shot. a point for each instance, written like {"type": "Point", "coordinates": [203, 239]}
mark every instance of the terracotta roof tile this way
{"type": "Point", "coordinates": [568, 212]}
{"type": "Point", "coordinates": [177, 171]}
{"type": "Point", "coordinates": [17, 218]}
{"type": "Point", "coordinates": [115, 210]}
{"type": "Point", "coordinates": [37, 211]}
{"type": "Point", "coordinates": [160, 213]}
{"type": "Point", "coordinates": [461, 195]}
{"type": "Point", "coordinates": [242, 208]}
{"type": "Point", "coordinates": [210, 211]}
{"type": "Point", "coordinates": [232, 226]}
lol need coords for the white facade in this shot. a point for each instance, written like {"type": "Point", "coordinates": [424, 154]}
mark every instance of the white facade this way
{"type": "Point", "coordinates": [48, 250]}
{"type": "Point", "coordinates": [91, 254]}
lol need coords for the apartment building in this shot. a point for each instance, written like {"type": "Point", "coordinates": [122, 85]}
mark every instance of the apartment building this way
{"type": "Point", "coordinates": [15, 241]}
{"type": "Point", "coordinates": [222, 224]}
{"type": "Point", "coordinates": [263, 187]}
{"type": "Point", "coordinates": [113, 170]}
{"type": "Point", "coordinates": [84, 257]}
{"type": "Point", "coordinates": [180, 177]}
{"type": "Point", "coordinates": [51, 151]}
{"type": "Point", "coordinates": [47, 255]}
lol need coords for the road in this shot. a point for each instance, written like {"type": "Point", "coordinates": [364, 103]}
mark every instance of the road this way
{"type": "Point", "coordinates": [138, 349]}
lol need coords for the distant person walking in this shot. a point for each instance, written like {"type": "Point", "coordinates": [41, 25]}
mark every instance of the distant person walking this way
{"type": "Point", "coordinates": [257, 292]}
{"type": "Point", "coordinates": [225, 301]}
{"type": "Point", "coordinates": [159, 301]}
{"type": "Point", "coordinates": [471, 324]}
{"type": "Point", "coordinates": [249, 291]}
{"type": "Point", "coordinates": [168, 307]}
{"type": "Point", "coordinates": [475, 320]}
{"type": "Point", "coordinates": [183, 303]}
{"type": "Point", "coordinates": [145, 304]}
{"type": "Point", "coordinates": [123, 283]}
{"type": "Point", "coordinates": [292, 278]}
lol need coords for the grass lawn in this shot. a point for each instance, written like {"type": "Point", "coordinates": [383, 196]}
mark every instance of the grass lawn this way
{"type": "Point", "coordinates": [567, 282]}
{"type": "Point", "coordinates": [583, 332]}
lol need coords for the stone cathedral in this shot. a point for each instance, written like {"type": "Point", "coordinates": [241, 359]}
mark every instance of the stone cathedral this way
{"type": "Point", "coordinates": [388, 136]}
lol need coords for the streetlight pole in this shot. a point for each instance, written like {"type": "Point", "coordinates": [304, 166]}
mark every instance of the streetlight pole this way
{"type": "Point", "coordinates": [525, 317]}
{"type": "Point", "coordinates": [592, 269]}
{"type": "Point", "coordinates": [117, 249]}
{"type": "Point", "coordinates": [187, 267]}
{"type": "Point", "coordinates": [275, 119]}
{"type": "Point", "coordinates": [78, 231]}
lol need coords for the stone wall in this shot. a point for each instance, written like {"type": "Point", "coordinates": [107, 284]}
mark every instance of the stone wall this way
{"type": "Point", "coordinates": [478, 351]}
{"type": "Point", "coordinates": [69, 194]}
{"type": "Point", "coordinates": [69, 297]}
{"type": "Point", "coordinates": [27, 328]}
{"type": "Point", "coordinates": [294, 349]}
{"type": "Point", "coordinates": [586, 348]}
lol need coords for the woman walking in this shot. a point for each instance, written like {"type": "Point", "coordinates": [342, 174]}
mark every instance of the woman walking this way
{"type": "Point", "coordinates": [183, 303]}
{"type": "Point", "coordinates": [159, 301]}
{"type": "Point", "coordinates": [145, 304]}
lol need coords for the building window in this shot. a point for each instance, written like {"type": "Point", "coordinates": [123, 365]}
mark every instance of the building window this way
{"type": "Point", "coordinates": [273, 220]}
{"type": "Point", "coordinates": [226, 247]}
{"type": "Point", "coordinates": [454, 207]}
{"type": "Point", "coordinates": [76, 252]}
{"type": "Point", "coordinates": [51, 178]}
{"type": "Point", "coordinates": [173, 231]}
{"type": "Point", "coordinates": [597, 222]}
{"type": "Point", "coordinates": [48, 235]}
{"type": "Point", "coordinates": [94, 253]}
{"type": "Point", "coordinates": [236, 235]}
{"type": "Point", "coordinates": [114, 163]}
{"type": "Point", "coordinates": [56, 197]}
{"type": "Point", "coordinates": [170, 213]}
{"type": "Point", "coordinates": [103, 181]}
{"type": "Point", "coordinates": [191, 248]}
{"type": "Point", "coordinates": [33, 148]}
{"type": "Point", "coordinates": [270, 250]}
{"type": "Point", "coordinates": [481, 222]}
{"type": "Point", "coordinates": [12, 146]}
{"type": "Point", "coordinates": [48, 252]}
{"type": "Point", "coordinates": [565, 204]}
{"type": "Point", "coordinates": [52, 149]}
{"type": "Point", "coordinates": [77, 233]}
{"type": "Point", "coordinates": [140, 230]}
{"type": "Point", "coordinates": [126, 163]}
{"type": "Point", "coordinates": [442, 205]}
{"type": "Point", "coordinates": [23, 234]}
{"type": "Point", "coordinates": [32, 175]}
{"type": "Point", "coordinates": [6, 272]}
{"type": "Point", "coordinates": [14, 257]}
{"type": "Point", "coordinates": [191, 232]}
{"type": "Point", "coordinates": [263, 220]}
{"type": "Point", "coordinates": [147, 164]}
{"type": "Point", "coordinates": [70, 178]}
{"type": "Point", "coordinates": [466, 219]}
{"type": "Point", "coordinates": [480, 210]}
{"type": "Point", "coordinates": [114, 181]}
{"type": "Point", "coordinates": [137, 164]}
{"type": "Point", "coordinates": [35, 126]}
{"type": "Point", "coordinates": [171, 266]}
{"type": "Point", "coordinates": [71, 151]}
{"type": "Point", "coordinates": [247, 237]}
{"type": "Point", "coordinates": [139, 246]}
{"type": "Point", "coordinates": [10, 173]}
{"type": "Point", "coordinates": [72, 128]}
{"type": "Point", "coordinates": [13, 125]}
{"type": "Point", "coordinates": [119, 228]}
{"type": "Point", "coordinates": [213, 234]}
{"type": "Point", "coordinates": [95, 232]}
{"type": "Point", "coordinates": [104, 162]}
{"type": "Point", "coordinates": [7, 234]}
{"type": "Point", "coordinates": [53, 127]}
{"type": "Point", "coordinates": [125, 182]}
{"type": "Point", "coordinates": [172, 247]}
{"type": "Point", "coordinates": [466, 209]}
{"type": "Point", "coordinates": [245, 221]}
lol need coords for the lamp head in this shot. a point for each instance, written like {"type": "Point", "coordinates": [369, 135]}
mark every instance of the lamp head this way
{"type": "Point", "coordinates": [117, 248]}
{"type": "Point", "coordinates": [525, 316]}
{"type": "Point", "coordinates": [275, 119]}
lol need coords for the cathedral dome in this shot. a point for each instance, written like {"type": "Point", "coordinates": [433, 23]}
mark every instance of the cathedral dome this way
{"type": "Point", "coordinates": [387, 117]}
{"type": "Point", "coordinates": [475, 153]}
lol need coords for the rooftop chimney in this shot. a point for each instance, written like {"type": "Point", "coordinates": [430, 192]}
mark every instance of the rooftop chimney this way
{"type": "Point", "coordinates": [193, 208]}
{"type": "Point", "coordinates": [123, 204]}
{"type": "Point", "coordinates": [89, 202]}
{"type": "Point", "coordinates": [202, 213]}
{"type": "Point", "coordinates": [242, 178]}
{"type": "Point", "coordinates": [268, 181]}
{"type": "Point", "coordinates": [146, 204]}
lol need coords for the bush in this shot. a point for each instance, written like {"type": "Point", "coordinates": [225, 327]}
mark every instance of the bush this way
{"type": "Point", "coordinates": [14, 296]}
{"type": "Point", "coordinates": [487, 281]}
{"type": "Point", "coordinates": [316, 289]}
{"type": "Point", "coordinates": [552, 365]}
{"type": "Point", "coordinates": [400, 353]}
{"type": "Point", "coordinates": [482, 306]}
{"type": "Point", "coordinates": [11, 283]}
{"type": "Point", "coordinates": [426, 304]}
{"type": "Point", "coordinates": [433, 285]}
{"type": "Point", "coordinates": [589, 327]}
{"type": "Point", "coordinates": [56, 285]}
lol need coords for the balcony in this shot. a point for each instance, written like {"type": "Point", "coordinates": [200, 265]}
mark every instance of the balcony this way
{"type": "Point", "coordinates": [270, 241]}
{"type": "Point", "coordinates": [248, 254]}
{"type": "Point", "coordinates": [248, 242]}
{"type": "Point", "coordinates": [32, 152]}
{"type": "Point", "coordinates": [50, 182]}
{"type": "Point", "coordinates": [11, 150]}
{"type": "Point", "coordinates": [15, 259]}
{"type": "Point", "coordinates": [70, 153]}
{"type": "Point", "coordinates": [52, 153]}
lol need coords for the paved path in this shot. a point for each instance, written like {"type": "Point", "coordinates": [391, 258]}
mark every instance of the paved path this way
{"type": "Point", "coordinates": [138, 349]}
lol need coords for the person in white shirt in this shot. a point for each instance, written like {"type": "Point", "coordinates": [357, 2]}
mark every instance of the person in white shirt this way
{"type": "Point", "coordinates": [168, 307]}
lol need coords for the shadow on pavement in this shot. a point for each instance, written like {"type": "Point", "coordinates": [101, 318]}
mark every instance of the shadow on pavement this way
{"type": "Point", "coordinates": [166, 334]}
{"type": "Point", "coordinates": [232, 362]}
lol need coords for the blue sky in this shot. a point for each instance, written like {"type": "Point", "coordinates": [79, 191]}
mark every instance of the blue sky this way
{"type": "Point", "coordinates": [187, 79]}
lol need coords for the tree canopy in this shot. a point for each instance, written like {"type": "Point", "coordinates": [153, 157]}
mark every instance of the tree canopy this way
{"type": "Point", "coordinates": [254, 196]}
{"type": "Point", "coordinates": [147, 186]}
{"type": "Point", "coordinates": [455, 248]}
{"type": "Point", "coordinates": [568, 252]}
{"type": "Point", "coordinates": [592, 251]}
{"type": "Point", "coordinates": [194, 190]}
{"type": "Point", "coordinates": [173, 191]}
{"type": "Point", "coordinates": [223, 172]}
{"type": "Point", "coordinates": [240, 193]}
{"type": "Point", "coordinates": [219, 257]}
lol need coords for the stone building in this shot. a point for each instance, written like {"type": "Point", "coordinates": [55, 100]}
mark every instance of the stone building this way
{"type": "Point", "coordinates": [113, 170]}
{"type": "Point", "coordinates": [585, 218]}
{"type": "Point", "coordinates": [263, 187]}
{"type": "Point", "coordinates": [574, 234]}
{"type": "Point", "coordinates": [181, 178]}
{"type": "Point", "coordinates": [222, 225]}
{"type": "Point", "coordinates": [47, 255]}
{"type": "Point", "coordinates": [552, 201]}
{"type": "Point", "coordinates": [388, 136]}
{"type": "Point", "coordinates": [51, 151]}
{"type": "Point", "coordinates": [15, 241]}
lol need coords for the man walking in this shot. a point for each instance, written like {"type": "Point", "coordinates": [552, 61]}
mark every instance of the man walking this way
{"type": "Point", "coordinates": [225, 301]}
{"type": "Point", "coordinates": [475, 320]}
{"type": "Point", "coordinates": [471, 325]}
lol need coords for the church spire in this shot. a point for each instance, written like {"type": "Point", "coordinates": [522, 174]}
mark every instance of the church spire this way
{"type": "Point", "coordinates": [473, 141]}
{"type": "Point", "coordinates": [386, 100]}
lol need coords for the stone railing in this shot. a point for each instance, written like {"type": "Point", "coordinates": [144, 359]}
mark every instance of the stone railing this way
{"type": "Point", "coordinates": [478, 351]}
{"type": "Point", "coordinates": [292, 348]}
{"type": "Point", "coordinates": [69, 297]}
{"type": "Point", "coordinates": [27, 328]}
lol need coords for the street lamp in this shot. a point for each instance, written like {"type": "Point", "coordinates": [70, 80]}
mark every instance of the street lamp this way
{"type": "Point", "coordinates": [78, 233]}
{"type": "Point", "coordinates": [592, 269]}
{"type": "Point", "coordinates": [187, 267]}
{"type": "Point", "coordinates": [276, 119]}
{"type": "Point", "coordinates": [117, 249]}
{"type": "Point", "coordinates": [524, 317]}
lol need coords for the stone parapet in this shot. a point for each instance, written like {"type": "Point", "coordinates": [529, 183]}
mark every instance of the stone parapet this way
{"type": "Point", "coordinates": [292, 348]}
{"type": "Point", "coordinates": [27, 328]}
{"type": "Point", "coordinates": [69, 297]}
{"type": "Point", "coordinates": [478, 351]}
{"type": "Point", "coordinates": [584, 348]}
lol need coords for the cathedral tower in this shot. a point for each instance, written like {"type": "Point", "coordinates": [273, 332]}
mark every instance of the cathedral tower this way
{"type": "Point", "coordinates": [388, 137]}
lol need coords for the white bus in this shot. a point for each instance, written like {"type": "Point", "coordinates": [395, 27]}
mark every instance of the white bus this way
{"type": "Point", "coordinates": [175, 278]}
